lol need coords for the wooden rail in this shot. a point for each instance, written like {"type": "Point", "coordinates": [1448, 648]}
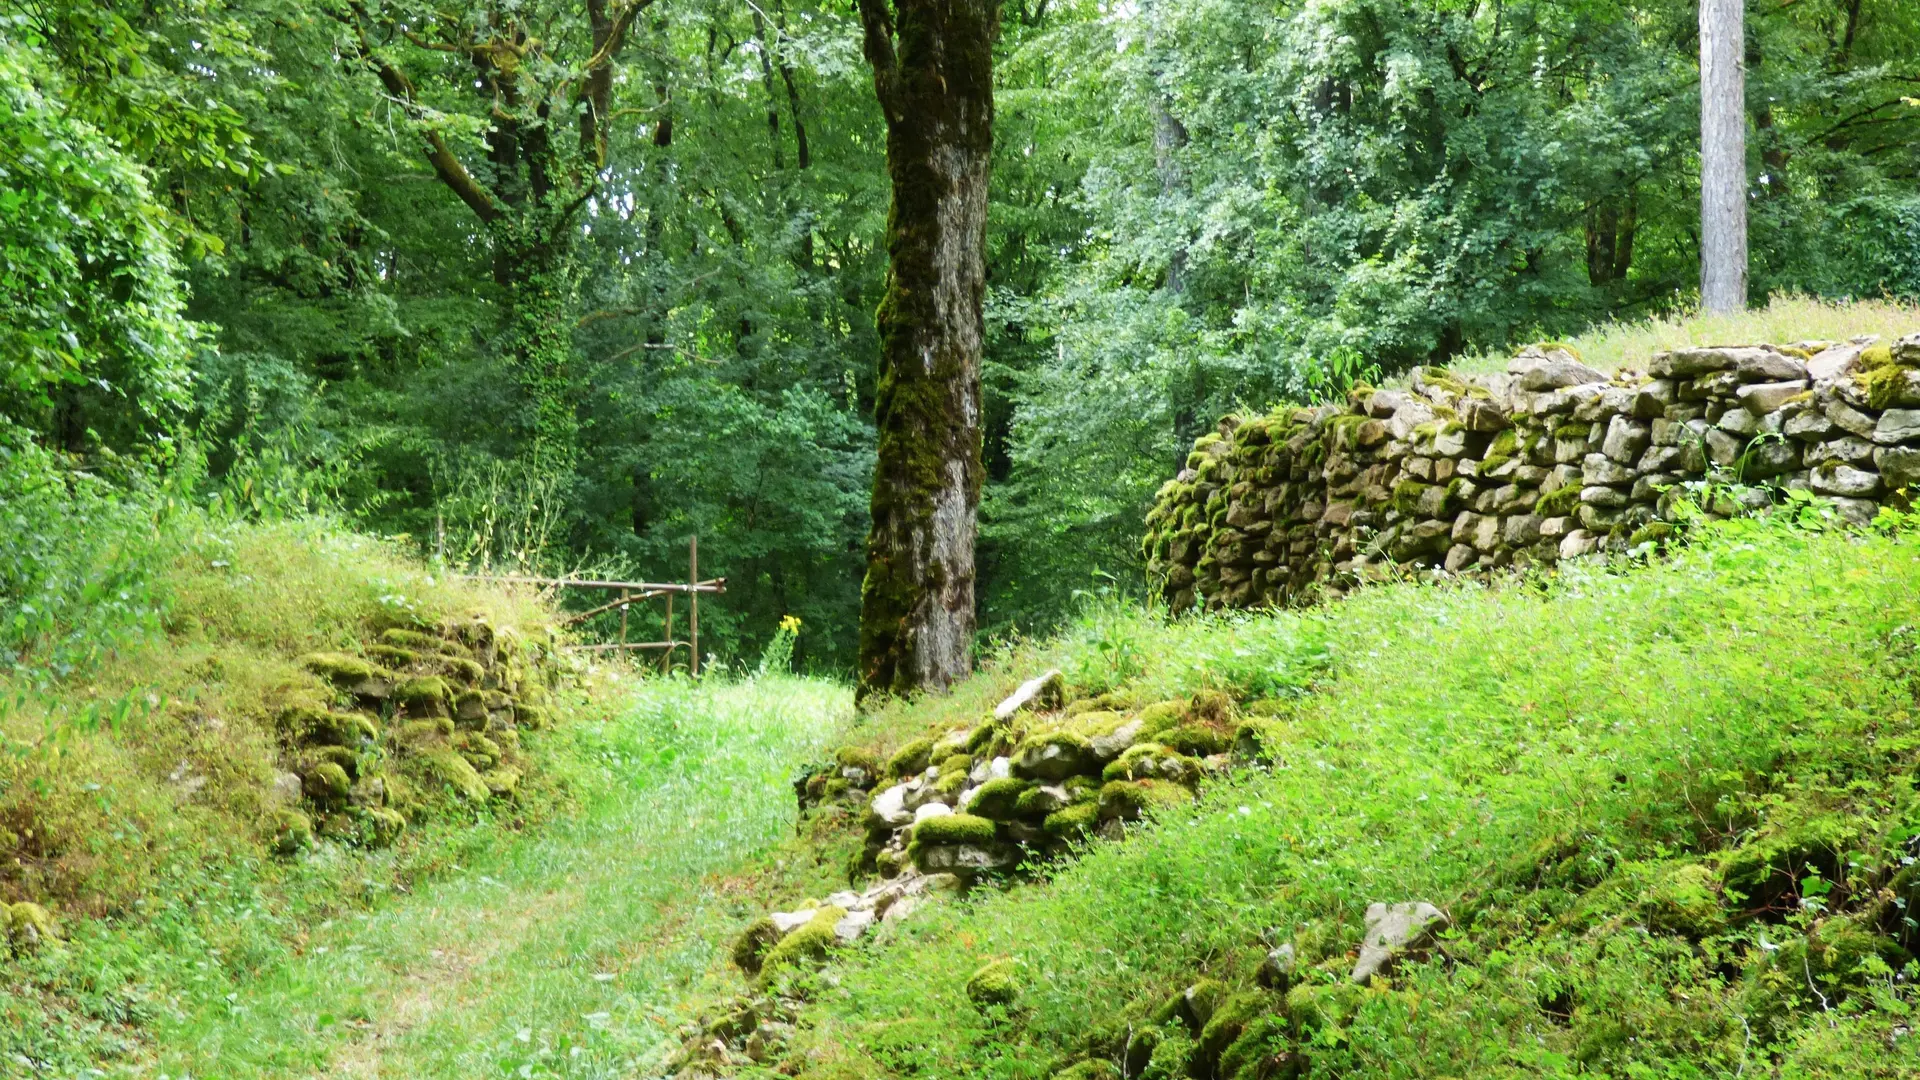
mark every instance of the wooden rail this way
{"type": "Point", "coordinates": [631, 591]}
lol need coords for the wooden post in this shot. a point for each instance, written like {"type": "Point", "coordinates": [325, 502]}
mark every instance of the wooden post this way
{"type": "Point", "coordinates": [666, 655]}
{"type": "Point", "coordinates": [623, 615]}
{"type": "Point", "coordinates": [693, 601]}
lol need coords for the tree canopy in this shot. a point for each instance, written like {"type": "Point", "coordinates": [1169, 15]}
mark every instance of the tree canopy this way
{"type": "Point", "coordinates": [563, 283]}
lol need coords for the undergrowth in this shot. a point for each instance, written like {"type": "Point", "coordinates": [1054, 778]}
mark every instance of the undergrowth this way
{"type": "Point", "coordinates": [1666, 808]}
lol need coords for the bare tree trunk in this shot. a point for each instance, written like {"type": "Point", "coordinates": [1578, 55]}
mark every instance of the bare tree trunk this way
{"type": "Point", "coordinates": [933, 72]}
{"type": "Point", "coordinates": [1723, 157]}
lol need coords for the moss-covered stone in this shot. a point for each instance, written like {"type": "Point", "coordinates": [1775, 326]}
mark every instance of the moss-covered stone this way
{"type": "Point", "coordinates": [339, 668]}
{"type": "Point", "coordinates": [1325, 1007]}
{"type": "Point", "coordinates": [1193, 1007]}
{"type": "Point", "coordinates": [393, 655]}
{"type": "Point", "coordinates": [1685, 899]}
{"type": "Point", "coordinates": [502, 781]}
{"type": "Point", "coordinates": [1053, 755]}
{"type": "Point", "coordinates": [751, 947]}
{"type": "Point", "coordinates": [955, 829]}
{"type": "Point", "coordinates": [996, 983]}
{"type": "Point", "coordinates": [420, 732]}
{"type": "Point", "coordinates": [998, 800]}
{"type": "Point", "coordinates": [1089, 1069]}
{"type": "Point", "coordinates": [1163, 716]}
{"type": "Point", "coordinates": [1073, 821]}
{"type": "Point", "coordinates": [1264, 1051]}
{"type": "Point", "coordinates": [428, 695]}
{"type": "Point", "coordinates": [1230, 1017]}
{"type": "Point", "coordinates": [806, 945]}
{"type": "Point", "coordinates": [292, 832]}
{"type": "Point", "coordinates": [531, 717]}
{"type": "Point", "coordinates": [858, 757]}
{"type": "Point", "coordinates": [446, 765]}
{"type": "Point", "coordinates": [1153, 761]}
{"type": "Point", "coordinates": [28, 925]}
{"type": "Point", "coordinates": [380, 826]}
{"type": "Point", "coordinates": [1559, 502]}
{"type": "Point", "coordinates": [327, 784]}
{"type": "Point", "coordinates": [459, 667]}
{"type": "Point", "coordinates": [1129, 800]}
{"type": "Point", "coordinates": [911, 759]}
{"type": "Point", "coordinates": [1196, 740]}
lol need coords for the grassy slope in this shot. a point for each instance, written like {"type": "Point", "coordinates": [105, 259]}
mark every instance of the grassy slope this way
{"type": "Point", "coordinates": [1783, 321]}
{"type": "Point", "coordinates": [567, 954]}
{"type": "Point", "coordinates": [1537, 762]}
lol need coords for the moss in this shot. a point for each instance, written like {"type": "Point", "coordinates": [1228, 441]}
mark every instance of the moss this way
{"type": "Point", "coordinates": [1686, 900]}
{"type": "Point", "coordinates": [1504, 445]}
{"type": "Point", "coordinates": [428, 693]}
{"type": "Point", "coordinates": [460, 667]}
{"type": "Point", "coordinates": [955, 829]}
{"type": "Point", "coordinates": [380, 827]}
{"type": "Point", "coordinates": [807, 945]}
{"type": "Point", "coordinates": [419, 732]}
{"type": "Point", "coordinates": [1874, 358]}
{"type": "Point", "coordinates": [339, 667]}
{"type": "Point", "coordinates": [501, 781]}
{"type": "Point", "coordinates": [447, 765]}
{"type": "Point", "coordinates": [1229, 1018]}
{"type": "Point", "coordinates": [1073, 821]}
{"type": "Point", "coordinates": [27, 924]}
{"type": "Point", "coordinates": [1162, 716]}
{"type": "Point", "coordinates": [1129, 800]}
{"type": "Point", "coordinates": [1089, 1069]}
{"type": "Point", "coordinates": [1192, 1007]}
{"type": "Point", "coordinates": [998, 800]}
{"type": "Point", "coordinates": [996, 983]}
{"type": "Point", "coordinates": [1884, 385]}
{"type": "Point", "coordinates": [403, 638]}
{"type": "Point", "coordinates": [1563, 346]}
{"type": "Point", "coordinates": [1195, 740]}
{"type": "Point", "coordinates": [1211, 707]}
{"type": "Point", "coordinates": [533, 717]}
{"type": "Point", "coordinates": [292, 832]}
{"type": "Point", "coordinates": [1492, 462]}
{"type": "Point", "coordinates": [1406, 495]}
{"type": "Point", "coordinates": [327, 783]}
{"type": "Point", "coordinates": [393, 655]}
{"type": "Point", "coordinates": [984, 736]}
{"type": "Point", "coordinates": [858, 757]}
{"type": "Point", "coordinates": [910, 759]}
{"type": "Point", "coordinates": [1559, 502]}
{"type": "Point", "coordinates": [324, 727]}
{"type": "Point", "coordinates": [1651, 532]}
{"type": "Point", "coordinates": [1325, 1008]}
{"type": "Point", "coordinates": [1263, 1051]}
{"type": "Point", "coordinates": [751, 947]}
{"type": "Point", "coordinates": [1152, 761]}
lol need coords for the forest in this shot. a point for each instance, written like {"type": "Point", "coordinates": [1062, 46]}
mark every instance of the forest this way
{"type": "Point", "coordinates": [559, 285]}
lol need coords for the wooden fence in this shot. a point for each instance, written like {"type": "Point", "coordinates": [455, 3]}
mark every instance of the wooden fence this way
{"type": "Point", "coordinates": [631, 592]}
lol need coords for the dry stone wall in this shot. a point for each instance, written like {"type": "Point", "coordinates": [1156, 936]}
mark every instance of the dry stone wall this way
{"type": "Point", "coordinates": [1549, 461]}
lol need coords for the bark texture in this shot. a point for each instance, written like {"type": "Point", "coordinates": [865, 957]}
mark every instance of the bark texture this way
{"type": "Point", "coordinates": [1723, 157]}
{"type": "Point", "coordinates": [933, 72]}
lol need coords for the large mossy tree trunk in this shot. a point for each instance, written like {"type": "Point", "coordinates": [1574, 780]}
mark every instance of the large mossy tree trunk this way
{"type": "Point", "coordinates": [933, 72]}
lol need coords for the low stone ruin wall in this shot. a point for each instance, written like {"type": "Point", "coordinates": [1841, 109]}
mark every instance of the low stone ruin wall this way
{"type": "Point", "coordinates": [1552, 460]}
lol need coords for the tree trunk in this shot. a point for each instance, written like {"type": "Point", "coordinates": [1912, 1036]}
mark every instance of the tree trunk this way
{"type": "Point", "coordinates": [933, 72]}
{"type": "Point", "coordinates": [1723, 157]}
{"type": "Point", "coordinates": [539, 281]}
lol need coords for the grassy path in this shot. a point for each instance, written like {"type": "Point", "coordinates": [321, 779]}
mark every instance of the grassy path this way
{"type": "Point", "coordinates": [567, 955]}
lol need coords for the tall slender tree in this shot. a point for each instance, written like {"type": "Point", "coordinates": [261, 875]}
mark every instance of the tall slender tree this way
{"type": "Point", "coordinates": [933, 72]}
{"type": "Point", "coordinates": [1723, 156]}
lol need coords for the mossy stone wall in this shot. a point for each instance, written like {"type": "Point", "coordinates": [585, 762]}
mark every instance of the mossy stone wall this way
{"type": "Point", "coordinates": [1552, 460]}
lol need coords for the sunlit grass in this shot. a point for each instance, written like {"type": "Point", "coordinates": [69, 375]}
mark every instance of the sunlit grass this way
{"type": "Point", "coordinates": [1782, 321]}
{"type": "Point", "coordinates": [570, 953]}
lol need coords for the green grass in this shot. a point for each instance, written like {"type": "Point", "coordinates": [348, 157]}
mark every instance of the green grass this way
{"type": "Point", "coordinates": [571, 952]}
{"type": "Point", "coordinates": [1538, 761]}
{"type": "Point", "coordinates": [1782, 321]}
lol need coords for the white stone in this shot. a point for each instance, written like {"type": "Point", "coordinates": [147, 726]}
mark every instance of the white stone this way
{"type": "Point", "coordinates": [1044, 689]}
{"type": "Point", "coordinates": [931, 810]}
{"type": "Point", "coordinates": [853, 925]}
{"type": "Point", "coordinates": [890, 806]}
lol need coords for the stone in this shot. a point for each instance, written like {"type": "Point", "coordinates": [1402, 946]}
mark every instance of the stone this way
{"type": "Point", "coordinates": [890, 806]}
{"type": "Point", "coordinates": [1649, 486]}
{"type": "Point", "coordinates": [1689, 363]}
{"type": "Point", "coordinates": [1834, 361]}
{"type": "Point", "coordinates": [1600, 469]}
{"type": "Point", "coordinates": [1768, 365]}
{"type": "Point", "coordinates": [1463, 526]}
{"type": "Point", "coordinates": [1521, 529]}
{"type": "Point", "coordinates": [1276, 971]}
{"type": "Point", "coordinates": [1659, 459]}
{"type": "Point", "coordinates": [966, 858]}
{"type": "Point", "coordinates": [1577, 543]}
{"type": "Point", "coordinates": [1760, 398]}
{"type": "Point", "coordinates": [27, 925]}
{"type": "Point", "coordinates": [1651, 399]}
{"type": "Point", "coordinates": [1451, 441]}
{"type": "Point", "coordinates": [1897, 426]}
{"type": "Point", "coordinates": [1906, 350]}
{"type": "Point", "coordinates": [1382, 403]}
{"type": "Point", "coordinates": [1605, 497]}
{"type": "Point", "coordinates": [1555, 370]}
{"type": "Point", "coordinates": [1107, 747]}
{"type": "Point", "coordinates": [1850, 449]}
{"type": "Point", "coordinates": [1848, 418]}
{"type": "Point", "coordinates": [1393, 931]}
{"type": "Point", "coordinates": [285, 789]}
{"type": "Point", "coordinates": [1899, 466]}
{"type": "Point", "coordinates": [1768, 458]}
{"type": "Point", "coordinates": [850, 927]}
{"type": "Point", "coordinates": [1723, 448]}
{"type": "Point", "coordinates": [1047, 690]}
{"type": "Point", "coordinates": [1808, 425]}
{"type": "Point", "coordinates": [1845, 480]}
{"type": "Point", "coordinates": [931, 810]}
{"type": "Point", "coordinates": [1555, 528]}
{"type": "Point", "coordinates": [1667, 432]}
{"type": "Point", "coordinates": [1625, 439]}
{"type": "Point", "coordinates": [1738, 422]}
{"type": "Point", "coordinates": [786, 922]}
{"type": "Point", "coordinates": [1459, 557]}
{"type": "Point", "coordinates": [1479, 414]}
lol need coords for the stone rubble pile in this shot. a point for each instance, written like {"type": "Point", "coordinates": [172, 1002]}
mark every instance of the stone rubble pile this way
{"type": "Point", "coordinates": [1549, 461]}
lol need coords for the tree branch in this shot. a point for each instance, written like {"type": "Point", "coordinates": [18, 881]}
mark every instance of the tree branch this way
{"type": "Point", "coordinates": [445, 164]}
{"type": "Point", "coordinates": [877, 21]}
